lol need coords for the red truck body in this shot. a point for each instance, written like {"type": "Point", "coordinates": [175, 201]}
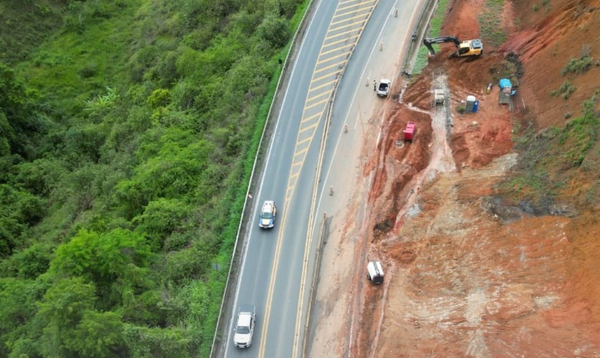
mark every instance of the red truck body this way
{"type": "Point", "coordinates": [409, 131]}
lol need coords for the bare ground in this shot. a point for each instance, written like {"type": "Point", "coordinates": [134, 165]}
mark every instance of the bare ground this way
{"type": "Point", "coordinates": [468, 272]}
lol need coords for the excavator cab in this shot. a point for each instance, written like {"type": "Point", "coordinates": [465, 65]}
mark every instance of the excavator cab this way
{"type": "Point", "coordinates": [470, 48]}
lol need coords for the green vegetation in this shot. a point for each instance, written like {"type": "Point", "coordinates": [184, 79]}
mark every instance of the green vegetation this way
{"type": "Point", "coordinates": [490, 23]}
{"type": "Point", "coordinates": [127, 136]}
{"type": "Point", "coordinates": [550, 160]}
{"type": "Point", "coordinates": [565, 90]}
{"type": "Point", "coordinates": [435, 26]}
{"type": "Point", "coordinates": [578, 65]}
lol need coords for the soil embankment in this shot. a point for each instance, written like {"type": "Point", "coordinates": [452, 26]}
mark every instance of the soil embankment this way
{"type": "Point", "coordinates": [470, 271]}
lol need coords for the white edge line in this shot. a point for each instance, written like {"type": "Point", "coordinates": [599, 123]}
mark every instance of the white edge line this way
{"type": "Point", "coordinates": [257, 197]}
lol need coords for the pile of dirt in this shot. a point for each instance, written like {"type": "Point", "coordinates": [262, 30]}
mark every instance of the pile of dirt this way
{"type": "Point", "coordinates": [469, 273]}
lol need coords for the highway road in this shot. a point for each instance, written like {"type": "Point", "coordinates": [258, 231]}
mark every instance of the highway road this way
{"type": "Point", "coordinates": [276, 264]}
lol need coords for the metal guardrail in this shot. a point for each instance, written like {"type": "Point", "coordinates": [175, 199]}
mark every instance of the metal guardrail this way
{"type": "Point", "coordinates": [315, 282]}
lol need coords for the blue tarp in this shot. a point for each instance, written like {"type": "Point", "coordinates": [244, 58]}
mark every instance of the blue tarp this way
{"type": "Point", "coordinates": [505, 83]}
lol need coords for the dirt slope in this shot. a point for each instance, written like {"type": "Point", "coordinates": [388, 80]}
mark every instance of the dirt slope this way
{"type": "Point", "coordinates": [469, 272]}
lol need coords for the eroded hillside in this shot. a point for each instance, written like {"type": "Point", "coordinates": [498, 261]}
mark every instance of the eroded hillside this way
{"type": "Point", "coordinates": [487, 222]}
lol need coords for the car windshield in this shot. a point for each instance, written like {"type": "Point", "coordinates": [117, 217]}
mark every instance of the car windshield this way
{"type": "Point", "coordinates": [266, 215]}
{"type": "Point", "coordinates": [242, 330]}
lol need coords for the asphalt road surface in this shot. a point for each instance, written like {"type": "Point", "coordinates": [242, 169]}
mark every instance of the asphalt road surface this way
{"type": "Point", "coordinates": [276, 264]}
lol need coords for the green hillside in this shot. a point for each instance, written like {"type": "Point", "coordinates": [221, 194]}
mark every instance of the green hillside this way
{"type": "Point", "coordinates": [127, 134]}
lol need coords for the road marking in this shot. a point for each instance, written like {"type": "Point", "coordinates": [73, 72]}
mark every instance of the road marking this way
{"type": "Point", "coordinates": [304, 141]}
{"type": "Point", "coordinates": [361, 16]}
{"type": "Point", "coordinates": [356, 5]}
{"type": "Point", "coordinates": [339, 35]}
{"type": "Point", "coordinates": [318, 103]}
{"type": "Point", "coordinates": [293, 177]}
{"type": "Point", "coordinates": [341, 55]}
{"type": "Point", "coordinates": [339, 65]}
{"type": "Point", "coordinates": [268, 155]}
{"type": "Point", "coordinates": [310, 230]}
{"type": "Point", "coordinates": [307, 119]}
{"type": "Point", "coordinates": [324, 94]}
{"type": "Point", "coordinates": [309, 127]}
{"type": "Point", "coordinates": [339, 41]}
{"type": "Point", "coordinates": [301, 152]}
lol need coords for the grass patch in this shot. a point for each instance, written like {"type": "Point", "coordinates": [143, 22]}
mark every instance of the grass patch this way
{"type": "Point", "coordinates": [490, 23]}
{"type": "Point", "coordinates": [578, 65]}
{"type": "Point", "coordinates": [554, 157]}
{"type": "Point", "coordinates": [435, 26]}
{"type": "Point", "coordinates": [565, 90]}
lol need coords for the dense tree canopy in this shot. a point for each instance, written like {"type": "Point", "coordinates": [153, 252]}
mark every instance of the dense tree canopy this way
{"type": "Point", "coordinates": [127, 129]}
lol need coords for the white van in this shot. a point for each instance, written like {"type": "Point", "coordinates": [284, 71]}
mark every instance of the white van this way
{"type": "Point", "coordinates": [375, 272]}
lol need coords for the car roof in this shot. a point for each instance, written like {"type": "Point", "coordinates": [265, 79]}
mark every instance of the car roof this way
{"type": "Point", "coordinates": [244, 319]}
{"type": "Point", "coordinates": [268, 205]}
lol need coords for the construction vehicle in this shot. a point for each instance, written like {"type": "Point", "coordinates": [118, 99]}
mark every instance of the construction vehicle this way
{"type": "Point", "coordinates": [463, 48]}
{"type": "Point", "coordinates": [409, 131]}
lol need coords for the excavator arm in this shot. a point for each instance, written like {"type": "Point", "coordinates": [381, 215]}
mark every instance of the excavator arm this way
{"type": "Point", "coordinates": [438, 40]}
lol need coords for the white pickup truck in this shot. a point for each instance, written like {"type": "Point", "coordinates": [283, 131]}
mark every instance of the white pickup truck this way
{"type": "Point", "coordinates": [383, 90]}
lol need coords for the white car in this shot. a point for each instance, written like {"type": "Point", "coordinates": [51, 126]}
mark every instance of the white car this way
{"type": "Point", "coordinates": [384, 88]}
{"type": "Point", "coordinates": [244, 327]}
{"type": "Point", "coordinates": [268, 212]}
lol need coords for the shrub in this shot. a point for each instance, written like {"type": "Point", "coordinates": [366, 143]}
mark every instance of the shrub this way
{"type": "Point", "coordinates": [577, 65]}
{"type": "Point", "coordinates": [565, 90]}
{"type": "Point", "coordinates": [274, 30]}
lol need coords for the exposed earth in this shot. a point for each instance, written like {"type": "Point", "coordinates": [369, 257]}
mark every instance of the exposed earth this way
{"type": "Point", "coordinates": [470, 271]}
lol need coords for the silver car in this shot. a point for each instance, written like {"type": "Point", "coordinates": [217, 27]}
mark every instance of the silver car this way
{"type": "Point", "coordinates": [268, 212]}
{"type": "Point", "coordinates": [244, 327]}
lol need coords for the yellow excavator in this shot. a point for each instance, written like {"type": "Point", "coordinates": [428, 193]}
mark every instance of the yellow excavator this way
{"type": "Point", "coordinates": [463, 48]}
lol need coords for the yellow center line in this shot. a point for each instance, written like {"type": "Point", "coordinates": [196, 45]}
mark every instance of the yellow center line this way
{"type": "Point", "coordinates": [272, 280]}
